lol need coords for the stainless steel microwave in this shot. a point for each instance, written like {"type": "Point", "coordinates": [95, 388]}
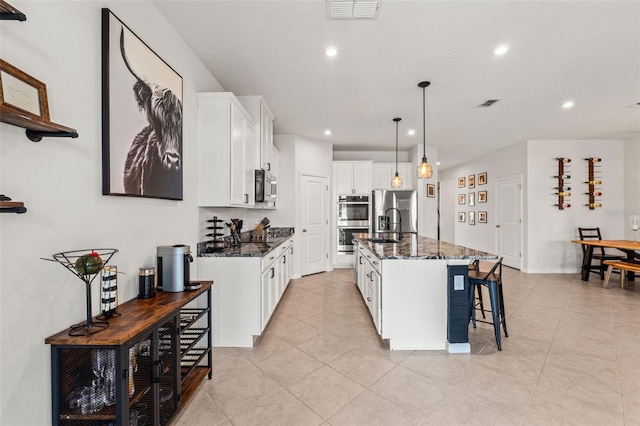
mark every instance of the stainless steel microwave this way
{"type": "Point", "coordinates": [266, 186]}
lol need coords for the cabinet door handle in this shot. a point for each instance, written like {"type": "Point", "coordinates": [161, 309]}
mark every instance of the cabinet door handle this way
{"type": "Point", "coordinates": [284, 259]}
{"type": "Point", "coordinates": [368, 299]}
{"type": "Point", "coordinates": [371, 277]}
{"type": "Point", "coordinates": [159, 368]}
{"type": "Point", "coordinates": [304, 230]}
{"type": "Point", "coordinates": [360, 261]}
{"type": "Point", "coordinates": [269, 166]}
{"type": "Point", "coordinates": [291, 251]}
{"type": "Point", "coordinates": [273, 272]}
{"type": "Point", "coordinates": [375, 262]}
{"type": "Point", "coordinates": [246, 198]}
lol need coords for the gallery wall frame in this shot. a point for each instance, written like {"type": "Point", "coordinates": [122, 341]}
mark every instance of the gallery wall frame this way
{"type": "Point", "coordinates": [472, 181]}
{"type": "Point", "coordinates": [472, 218]}
{"type": "Point", "coordinates": [482, 196]}
{"type": "Point", "coordinates": [462, 216]}
{"type": "Point", "coordinates": [461, 199]}
{"type": "Point", "coordinates": [431, 191]}
{"type": "Point", "coordinates": [141, 117]}
{"type": "Point", "coordinates": [482, 178]}
{"type": "Point", "coordinates": [471, 199]}
{"type": "Point", "coordinates": [461, 182]}
{"type": "Point", "coordinates": [482, 217]}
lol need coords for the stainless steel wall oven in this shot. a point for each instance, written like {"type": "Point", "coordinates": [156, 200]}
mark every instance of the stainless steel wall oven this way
{"type": "Point", "coordinates": [352, 218]}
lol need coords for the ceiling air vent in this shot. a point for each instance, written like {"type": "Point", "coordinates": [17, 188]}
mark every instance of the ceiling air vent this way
{"type": "Point", "coordinates": [488, 103]}
{"type": "Point", "coordinates": [353, 9]}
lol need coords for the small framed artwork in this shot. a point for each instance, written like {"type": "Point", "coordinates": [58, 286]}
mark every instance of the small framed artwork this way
{"type": "Point", "coordinates": [482, 196]}
{"type": "Point", "coordinates": [461, 199]}
{"type": "Point", "coordinates": [472, 218]}
{"type": "Point", "coordinates": [482, 178]}
{"type": "Point", "coordinates": [462, 216]}
{"type": "Point", "coordinates": [472, 181]}
{"type": "Point", "coordinates": [482, 217]}
{"type": "Point", "coordinates": [461, 182]}
{"type": "Point", "coordinates": [431, 191]}
{"type": "Point", "coordinates": [471, 198]}
{"type": "Point", "coordinates": [21, 91]}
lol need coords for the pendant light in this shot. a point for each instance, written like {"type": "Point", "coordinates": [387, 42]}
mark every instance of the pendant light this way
{"type": "Point", "coordinates": [425, 171]}
{"type": "Point", "coordinates": [396, 182]}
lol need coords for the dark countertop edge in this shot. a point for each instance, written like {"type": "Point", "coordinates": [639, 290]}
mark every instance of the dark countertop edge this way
{"type": "Point", "coordinates": [362, 238]}
{"type": "Point", "coordinates": [273, 245]}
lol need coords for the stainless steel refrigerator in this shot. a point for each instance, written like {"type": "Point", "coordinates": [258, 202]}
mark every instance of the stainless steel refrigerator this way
{"type": "Point", "coordinates": [393, 208]}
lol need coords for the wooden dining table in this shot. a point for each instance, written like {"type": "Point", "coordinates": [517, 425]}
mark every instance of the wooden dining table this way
{"type": "Point", "coordinates": [630, 248]}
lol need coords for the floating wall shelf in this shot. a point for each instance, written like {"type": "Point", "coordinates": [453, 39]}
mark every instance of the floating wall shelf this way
{"type": "Point", "coordinates": [10, 13]}
{"type": "Point", "coordinates": [37, 127]}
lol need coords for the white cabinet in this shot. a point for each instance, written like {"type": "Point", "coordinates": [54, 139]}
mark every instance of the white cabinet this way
{"type": "Point", "coordinates": [246, 292]}
{"type": "Point", "coordinates": [275, 159]}
{"type": "Point", "coordinates": [352, 177]}
{"type": "Point", "coordinates": [382, 173]}
{"type": "Point", "coordinates": [262, 116]}
{"type": "Point", "coordinates": [370, 283]}
{"type": "Point", "coordinates": [227, 142]}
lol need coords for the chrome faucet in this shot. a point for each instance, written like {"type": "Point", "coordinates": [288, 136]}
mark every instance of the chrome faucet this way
{"type": "Point", "coordinates": [395, 223]}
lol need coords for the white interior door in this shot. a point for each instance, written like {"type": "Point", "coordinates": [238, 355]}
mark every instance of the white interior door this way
{"type": "Point", "coordinates": [314, 224]}
{"type": "Point", "coordinates": [509, 220]}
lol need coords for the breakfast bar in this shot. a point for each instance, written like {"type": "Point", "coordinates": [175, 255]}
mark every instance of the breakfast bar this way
{"type": "Point", "coordinates": [404, 284]}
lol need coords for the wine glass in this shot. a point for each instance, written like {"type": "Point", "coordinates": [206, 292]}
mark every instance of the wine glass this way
{"type": "Point", "coordinates": [98, 362]}
{"type": "Point", "coordinates": [634, 224]}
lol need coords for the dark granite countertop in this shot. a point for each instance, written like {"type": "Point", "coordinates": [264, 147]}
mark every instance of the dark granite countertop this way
{"type": "Point", "coordinates": [249, 249]}
{"type": "Point", "coordinates": [414, 246]}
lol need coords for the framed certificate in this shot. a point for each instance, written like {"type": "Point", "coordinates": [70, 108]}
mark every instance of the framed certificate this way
{"type": "Point", "coordinates": [20, 91]}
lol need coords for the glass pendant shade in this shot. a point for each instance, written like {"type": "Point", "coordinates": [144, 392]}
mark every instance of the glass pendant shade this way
{"type": "Point", "coordinates": [425, 171]}
{"type": "Point", "coordinates": [396, 182]}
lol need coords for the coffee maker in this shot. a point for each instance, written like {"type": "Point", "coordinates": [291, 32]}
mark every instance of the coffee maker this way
{"type": "Point", "coordinates": [174, 267]}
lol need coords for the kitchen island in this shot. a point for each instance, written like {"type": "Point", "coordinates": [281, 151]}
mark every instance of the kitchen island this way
{"type": "Point", "coordinates": [404, 285]}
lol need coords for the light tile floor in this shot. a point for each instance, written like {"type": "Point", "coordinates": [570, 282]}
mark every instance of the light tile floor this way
{"type": "Point", "coordinates": [572, 358]}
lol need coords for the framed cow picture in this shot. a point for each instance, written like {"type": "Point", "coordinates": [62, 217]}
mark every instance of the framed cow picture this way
{"type": "Point", "coordinates": [141, 117]}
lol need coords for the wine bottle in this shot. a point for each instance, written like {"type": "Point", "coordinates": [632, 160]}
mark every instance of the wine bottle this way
{"type": "Point", "coordinates": [562, 177]}
{"type": "Point", "coordinates": [594, 160]}
{"type": "Point", "coordinates": [595, 194]}
{"type": "Point", "coordinates": [594, 182]}
{"type": "Point", "coordinates": [564, 160]}
{"type": "Point", "coordinates": [592, 205]}
{"type": "Point", "coordinates": [563, 194]}
{"type": "Point", "coordinates": [562, 188]}
{"type": "Point", "coordinates": [564, 205]}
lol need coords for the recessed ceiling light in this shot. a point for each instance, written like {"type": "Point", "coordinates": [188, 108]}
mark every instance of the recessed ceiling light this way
{"type": "Point", "coordinates": [438, 163]}
{"type": "Point", "coordinates": [411, 132]}
{"type": "Point", "coordinates": [501, 50]}
{"type": "Point", "coordinates": [327, 132]}
{"type": "Point", "coordinates": [568, 104]}
{"type": "Point", "coordinates": [331, 51]}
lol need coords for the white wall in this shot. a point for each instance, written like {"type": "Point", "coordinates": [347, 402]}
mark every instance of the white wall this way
{"type": "Point", "coordinates": [427, 207]}
{"type": "Point", "coordinates": [60, 182]}
{"type": "Point", "coordinates": [509, 161]}
{"type": "Point", "coordinates": [550, 231]}
{"type": "Point", "coordinates": [631, 183]}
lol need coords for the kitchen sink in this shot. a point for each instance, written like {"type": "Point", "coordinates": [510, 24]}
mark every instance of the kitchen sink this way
{"type": "Point", "coordinates": [382, 240]}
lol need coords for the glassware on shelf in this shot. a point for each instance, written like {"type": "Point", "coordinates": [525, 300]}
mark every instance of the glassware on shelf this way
{"type": "Point", "coordinates": [634, 224]}
{"type": "Point", "coordinates": [110, 378]}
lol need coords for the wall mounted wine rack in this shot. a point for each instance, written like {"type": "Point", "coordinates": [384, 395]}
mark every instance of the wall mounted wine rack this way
{"type": "Point", "coordinates": [592, 182]}
{"type": "Point", "coordinates": [562, 190]}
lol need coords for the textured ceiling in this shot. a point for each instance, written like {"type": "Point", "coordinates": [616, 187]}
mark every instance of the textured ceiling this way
{"type": "Point", "coordinates": [588, 52]}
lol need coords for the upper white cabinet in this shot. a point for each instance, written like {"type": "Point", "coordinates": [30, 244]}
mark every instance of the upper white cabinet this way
{"type": "Point", "coordinates": [382, 173]}
{"type": "Point", "coordinates": [261, 114]}
{"type": "Point", "coordinates": [352, 177]}
{"type": "Point", "coordinates": [227, 143]}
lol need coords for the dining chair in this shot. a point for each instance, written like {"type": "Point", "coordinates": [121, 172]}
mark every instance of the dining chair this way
{"type": "Point", "coordinates": [599, 254]}
{"type": "Point", "coordinates": [493, 281]}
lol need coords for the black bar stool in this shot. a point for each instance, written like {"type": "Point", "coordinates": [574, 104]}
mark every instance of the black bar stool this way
{"type": "Point", "coordinates": [493, 281]}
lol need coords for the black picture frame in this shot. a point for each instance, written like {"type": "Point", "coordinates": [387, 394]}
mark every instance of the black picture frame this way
{"type": "Point", "coordinates": [136, 162]}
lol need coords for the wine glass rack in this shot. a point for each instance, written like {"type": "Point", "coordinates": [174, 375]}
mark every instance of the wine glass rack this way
{"type": "Point", "coordinates": [592, 182]}
{"type": "Point", "coordinates": [562, 190]}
